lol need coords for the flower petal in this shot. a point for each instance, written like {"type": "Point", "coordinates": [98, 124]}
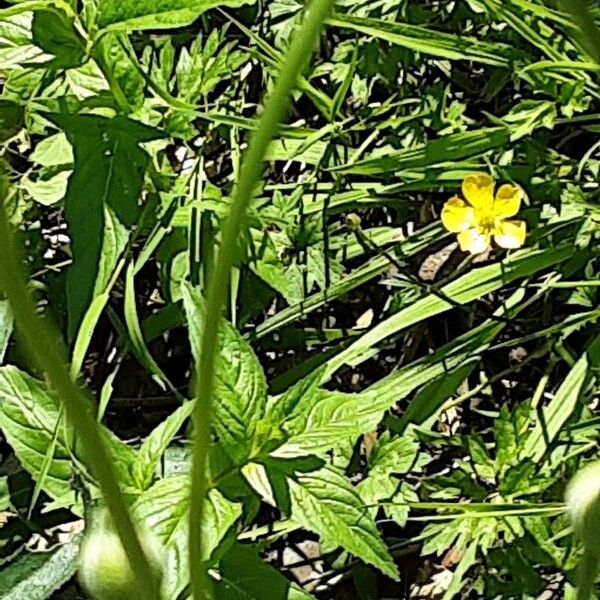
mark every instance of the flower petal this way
{"type": "Point", "coordinates": [508, 201]}
{"type": "Point", "coordinates": [478, 190]}
{"type": "Point", "coordinates": [510, 234]}
{"type": "Point", "coordinates": [473, 241]}
{"type": "Point", "coordinates": [457, 215]}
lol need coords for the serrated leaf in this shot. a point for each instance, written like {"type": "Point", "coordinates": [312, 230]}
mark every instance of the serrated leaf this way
{"type": "Point", "coordinates": [324, 417]}
{"type": "Point", "coordinates": [324, 502]}
{"type": "Point", "coordinates": [240, 385]}
{"type": "Point", "coordinates": [244, 576]}
{"type": "Point", "coordinates": [390, 457]}
{"type": "Point", "coordinates": [164, 508]}
{"type": "Point", "coordinates": [130, 15]}
{"type": "Point", "coordinates": [28, 416]}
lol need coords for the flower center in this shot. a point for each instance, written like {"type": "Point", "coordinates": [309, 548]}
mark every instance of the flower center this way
{"type": "Point", "coordinates": [486, 221]}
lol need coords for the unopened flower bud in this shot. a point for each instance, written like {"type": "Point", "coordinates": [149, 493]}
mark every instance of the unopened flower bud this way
{"type": "Point", "coordinates": [583, 503]}
{"type": "Point", "coordinates": [104, 570]}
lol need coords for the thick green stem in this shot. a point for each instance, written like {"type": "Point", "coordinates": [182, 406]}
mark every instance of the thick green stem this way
{"type": "Point", "coordinates": [275, 109]}
{"type": "Point", "coordinates": [41, 341]}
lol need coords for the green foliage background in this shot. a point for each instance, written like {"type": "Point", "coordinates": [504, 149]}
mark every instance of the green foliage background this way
{"type": "Point", "coordinates": [416, 411]}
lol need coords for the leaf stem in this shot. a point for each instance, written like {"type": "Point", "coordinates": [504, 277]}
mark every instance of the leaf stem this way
{"type": "Point", "coordinates": [41, 341]}
{"type": "Point", "coordinates": [275, 109]}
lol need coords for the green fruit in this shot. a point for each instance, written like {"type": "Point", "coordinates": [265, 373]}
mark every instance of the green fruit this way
{"type": "Point", "coordinates": [104, 570]}
{"type": "Point", "coordinates": [583, 504]}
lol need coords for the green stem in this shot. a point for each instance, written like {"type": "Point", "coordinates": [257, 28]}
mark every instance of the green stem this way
{"type": "Point", "coordinates": [275, 109]}
{"type": "Point", "coordinates": [588, 571]}
{"type": "Point", "coordinates": [41, 341]}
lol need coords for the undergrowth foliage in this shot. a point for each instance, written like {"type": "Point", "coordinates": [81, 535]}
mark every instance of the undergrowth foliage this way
{"type": "Point", "coordinates": [299, 302]}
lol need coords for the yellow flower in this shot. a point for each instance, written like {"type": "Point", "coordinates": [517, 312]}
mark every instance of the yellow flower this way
{"type": "Point", "coordinates": [483, 215]}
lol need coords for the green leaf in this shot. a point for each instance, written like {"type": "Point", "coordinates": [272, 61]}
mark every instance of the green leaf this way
{"type": "Point", "coordinates": [449, 148]}
{"type": "Point", "coordinates": [428, 41]}
{"type": "Point", "coordinates": [28, 417]}
{"type": "Point", "coordinates": [240, 385]}
{"type": "Point", "coordinates": [38, 575]}
{"type": "Point", "coordinates": [471, 286]}
{"type": "Point", "coordinates": [54, 33]}
{"type": "Point", "coordinates": [561, 407]}
{"type": "Point", "coordinates": [390, 457]}
{"type": "Point", "coordinates": [315, 419]}
{"type": "Point", "coordinates": [130, 15]}
{"type": "Point", "coordinates": [324, 502]}
{"type": "Point", "coordinates": [134, 330]}
{"type": "Point", "coordinates": [124, 79]}
{"type": "Point", "coordinates": [11, 119]}
{"type": "Point", "coordinates": [109, 170]}
{"type": "Point", "coordinates": [155, 445]}
{"type": "Point", "coordinates": [47, 191]}
{"type": "Point", "coordinates": [16, 47]}
{"type": "Point", "coordinates": [324, 417]}
{"type": "Point", "coordinates": [53, 151]}
{"type": "Point", "coordinates": [164, 508]}
{"type": "Point", "coordinates": [244, 576]}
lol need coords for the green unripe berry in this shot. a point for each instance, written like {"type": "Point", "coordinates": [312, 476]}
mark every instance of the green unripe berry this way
{"type": "Point", "coordinates": [104, 571]}
{"type": "Point", "coordinates": [583, 503]}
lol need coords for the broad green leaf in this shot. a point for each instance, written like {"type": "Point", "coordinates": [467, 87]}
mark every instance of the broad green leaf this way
{"type": "Point", "coordinates": [323, 418]}
{"type": "Point", "coordinates": [16, 45]}
{"type": "Point", "coordinates": [240, 385]}
{"type": "Point", "coordinates": [563, 404]}
{"type": "Point", "coordinates": [324, 502]}
{"type": "Point", "coordinates": [38, 575]}
{"type": "Point", "coordinates": [6, 327]}
{"type": "Point", "coordinates": [130, 15]}
{"type": "Point", "coordinates": [28, 417]}
{"type": "Point", "coordinates": [155, 445]}
{"type": "Point", "coordinates": [47, 191]}
{"type": "Point", "coordinates": [55, 34]}
{"type": "Point", "coordinates": [244, 576]}
{"type": "Point", "coordinates": [164, 509]}
{"type": "Point", "coordinates": [53, 151]}
{"type": "Point", "coordinates": [29, 414]}
{"type": "Point", "coordinates": [108, 171]}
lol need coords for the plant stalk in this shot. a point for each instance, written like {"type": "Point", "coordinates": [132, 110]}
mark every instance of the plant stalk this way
{"type": "Point", "coordinates": [41, 341]}
{"type": "Point", "coordinates": [275, 109]}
